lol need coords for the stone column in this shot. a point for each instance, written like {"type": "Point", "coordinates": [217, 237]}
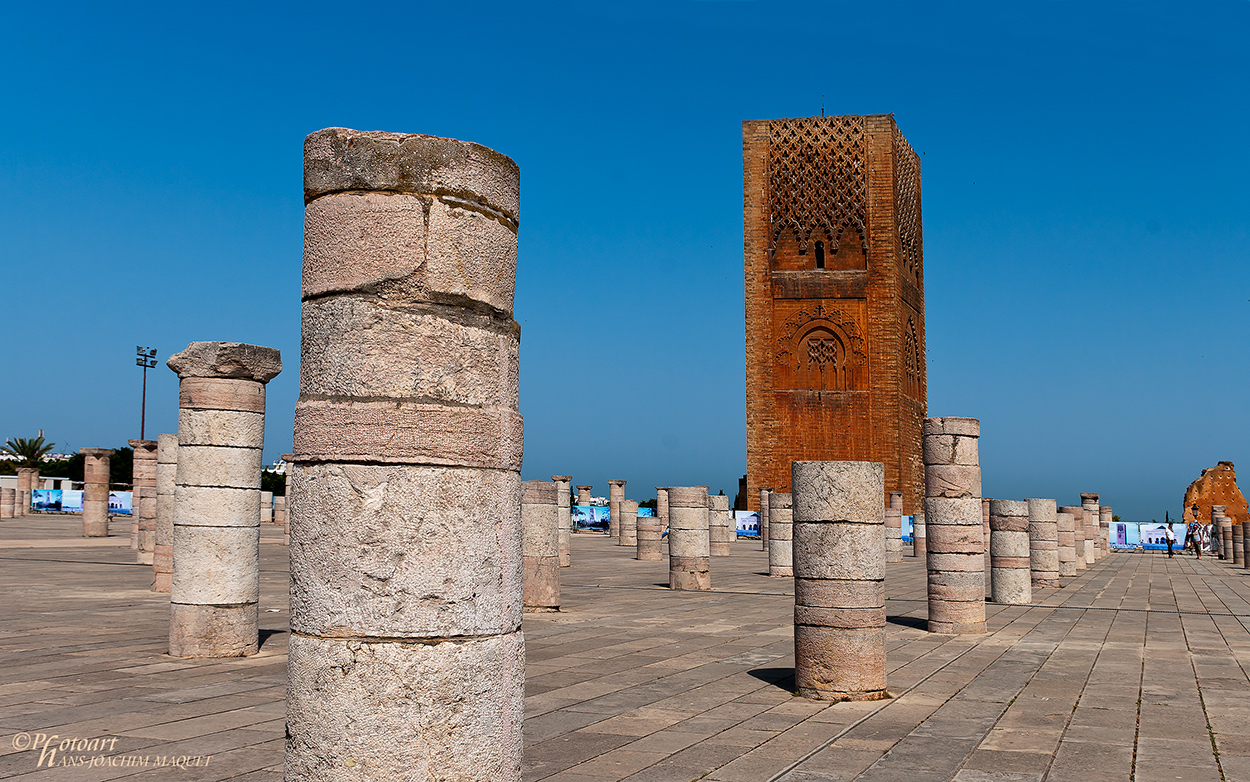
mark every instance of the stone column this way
{"type": "Point", "coordinates": [216, 545]}
{"type": "Point", "coordinates": [1043, 543]}
{"type": "Point", "coordinates": [289, 458]}
{"type": "Point", "coordinates": [629, 524]}
{"type": "Point", "coordinates": [406, 657]}
{"type": "Point", "coordinates": [764, 492]}
{"type": "Point", "coordinates": [894, 528]}
{"type": "Point", "coordinates": [1104, 528]}
{"type": "Point", "coordinates": [839, 585]}
{"type": "Point", "coordinates": [721, 527]}
{"type": "Point", "coordinates": [1245, 545]}
{"type": "Point", "coordinates": [143, 503]}
{"type": "Point", "coordinates": [540, 545]}
{"type": "Point", "coordinates": [8, 499]}
{"type": "Point", "coordinates": [95, 492]}
{"type": "Point", "coordinates": [1010, 579]}
{"type": "Point", "coordinates": [163, 535]}
{"type": "Point", "coordinates": [1078, 535]}
{"type": "Point", "coordinates": [918, 547]}
{"type": "Point", "coordinates": [266, 507]}
{"type": "Point", "coordinates": [583, 495]}
{"type": "Point", "coordinates": [1239, 554]}
{"type": "Point", "coordinates": [1089, 502]}
{"type": "Point", "coordinates": [985, 530]}
{"type": "Point", "coordinates": [36, 484]}
{"type": "Point", "coordinates": [661, 506]}
{"type": "Point", "coordinates": [780, 534]}
{"type": "Point", "coordinates": [21, 497]}
{"type": "Point", "coordinates": [955, 542]}
{"type": "Point", "coordinates": [279, 510]}
{"type": "Point", "coordinates": [565, 518]}
{"type": "Point", "coordinates": [616, 493]}
{"type": "Point", "coordinates": [649, 535]}
{"type": "Point", "coordinates": [688, 549]}
{"type": "Point", "coordinates": [1065, 526]}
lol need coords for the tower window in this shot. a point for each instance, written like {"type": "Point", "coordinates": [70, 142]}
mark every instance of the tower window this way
{"type": "Point", "coordinates": [820, 255]}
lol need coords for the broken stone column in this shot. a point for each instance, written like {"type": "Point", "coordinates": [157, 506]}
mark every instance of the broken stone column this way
{"type": "Point", "coordinates": [661, 506]}
{"type": "Point", "coordinates": [1078, 535]}
{"type": "Point", "coordinates": [629, 524]}
{"type": "Point", "coordinates": [764, 492]}
{"type": "Point", "coordinates": [163, 535]}
{"type": "Point", "coordinates": [1104, 528]}
{"type": "Point", "coordinates": [721, 528]}
{"type": "Point", "coordinates": [1010, 579]}
{"type": "Point", "coordinates": [143, 500]}
{"type": "Point", "coordinates": [955, 540]}
{"type": "Point", "coordinates": [583, 495]}
{"type": "Point", "coordinates": [95, 492]}
{"type": "Point", "coordinates": [1245, 544]}
{"type": "Point", "coordinates": [894, 528]}
{"type": "Point", "coordinates": [289, 458]}
{"type": "Point", "coordinates": [406, 657]}
{"type": "Point", "coordinates": [1239, 554]}
{"type": "Point", "coordinates": [565, 516]}
{"type": "Point", "coordinates": [780, 534]}
{"type": "Point", "coordinates": [616, 493]}
{"type": "Point", "coordinates": [649, 536]}
{"type": "Point", "coordinates": [918, 544]}
{"type": "Point", "coordinates": [279, 510]}
{"type": "Point", "coordinates": [985, 529]}
{"type": "Point", "coordinates": [8, 499]}
{"type": "Point", "coordinates": [266, 507]}
{"type": "Point", "coordinates": [688, 549]}
{"type": "Point", "coordinates": [1043, 542]}
{"type": "Point", "coordinates": [216, 544]}
{"type": "Point", "coordinates": [21, 497]}
{"type": "Point", "coordinates": [839, 585]}
{"type": "Point", "coordinates": [1066, 538]}
{"type": "Point", "coordinates": [1222, 526]}
{"type": "Point", "coordinates": [540, 545]}
{"type": "Point", "coordinates": [1089, 503]}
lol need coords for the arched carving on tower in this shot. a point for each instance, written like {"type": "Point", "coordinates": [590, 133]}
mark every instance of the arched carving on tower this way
{"type": "Point", "coordinates": [821, 350]}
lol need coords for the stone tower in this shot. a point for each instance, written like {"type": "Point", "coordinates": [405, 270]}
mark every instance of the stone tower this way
{"type": "Point", "coordinates": [835, 342]}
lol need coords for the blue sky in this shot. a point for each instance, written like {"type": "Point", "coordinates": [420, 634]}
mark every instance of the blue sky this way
{"type": "Point", "coordinates": [1085, 216]}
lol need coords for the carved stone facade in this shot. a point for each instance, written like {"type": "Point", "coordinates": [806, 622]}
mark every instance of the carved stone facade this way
{"type": "Point", "coordinates": [1216, 486]}
{"type": "Point", "coordinates": [835, 337]}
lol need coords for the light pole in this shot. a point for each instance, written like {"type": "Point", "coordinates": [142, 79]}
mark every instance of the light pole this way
{"type": "Point", "coordinates": [146, 358]}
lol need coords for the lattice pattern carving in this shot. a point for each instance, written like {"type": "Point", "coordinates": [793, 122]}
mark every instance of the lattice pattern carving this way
{"type": "Point", "coordinates": [907, 205]}
{"type": "Point", "coordinates": [818, 178]}
{"type": "Point", "coordinates": [912, 362]}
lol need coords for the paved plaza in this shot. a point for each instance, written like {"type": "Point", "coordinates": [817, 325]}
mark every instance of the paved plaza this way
{"type": "Point", "coordinates": [1134, 670]}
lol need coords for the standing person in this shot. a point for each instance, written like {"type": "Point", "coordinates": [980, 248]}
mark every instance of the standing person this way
{"type": "Point", "coordinates": [1171, 539]}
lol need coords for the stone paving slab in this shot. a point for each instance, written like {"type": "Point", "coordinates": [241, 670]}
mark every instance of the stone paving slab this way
{"type": "Point", "coordinates": [1135, 670]}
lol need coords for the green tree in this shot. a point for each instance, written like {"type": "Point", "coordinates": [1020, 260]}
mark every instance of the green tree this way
{"type": "Point", "coordinates": [274, 482]}
{"type": "Point", "coordinates": [29, 451]}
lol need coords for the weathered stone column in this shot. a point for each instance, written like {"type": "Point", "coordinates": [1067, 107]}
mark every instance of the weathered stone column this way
{"type": "Point", "coordinates": [688, 548]}
{"type": "Point", "coordinates": [894, 528]}
{"type": "Point", "coordinates": [21, 497]}
{"type": "Point", "coordinates": [8, 500]}
{"type": "Point", "coordinates": [1104, 528]}
{"type": "Point", "coordinates": [764, 492]}
{"type": "Point", "coordinates": [1089, 502]}
{"type": "Point", "coordinates": [721, 527]}
{"type": "Point", "coordinates": [279, 510]}
{"type": "Point", "coordinates": [1010, 581]}
{"type": "Point", "coordinates": [540, 545]}
{"type": "Point", "coordinates": [1245, 545]}
{"type": "Point", "coordinates": [1224, 527]}
{"type": "Point", "coordinates": [918, 545]}
{"type": "Point", "coordinates": [565, 516]}
{"type": "Point", "coordinates": [1043, 543]}
{"type": "Point", "coordinates": [216, 545]}
{"type": "Point", "coordinates": [629, 524]}
{"type": "Point", "coordinates": [839, 585]}
{"type": "Point", "coordinates": [95, 492]}
{"type": "Point", "coordinates": [661, 506]}
{"type": "Point", "coordinates": [1078, 535]}
{"type": "Point", "coordinates": [780, 535]}
{"type": "Point", "coordinates": [1239, 553]}
{"type": "Point", "coordinates": [289, 458]}
{"type": "Point", "coordinates": [266, 507]}
{"type": "Point", "coordinates": [406, 658]}
{"type": "Point", "coordinates": [1065, 526]}
{"type": "Point", "coordinates": [616, 493]}
{"type": "Point", "coordinates": [952, 510]}
{"type": "Point", "coordinates": [649, 547]}
{"type": "Point", "coordinates": [163, 535]}
{"type": "Point", "coordinates": [143, 503]}
{"type": "Point", "coordinates": [583, 495]}
{"type": "Point", "coordinates": [985, 529]}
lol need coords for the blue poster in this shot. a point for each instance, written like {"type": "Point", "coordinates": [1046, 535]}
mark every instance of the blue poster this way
{"type": "Point", "coordinates": [46, 499]}
{"type": "Point", "coordinates": [590, 517]}
{"type": "Point", "coordinates": [646, 511]}
{"type": "Point", "coordinates": [119, 503]}
{"type": "Point", "coordinates": [748, 523]}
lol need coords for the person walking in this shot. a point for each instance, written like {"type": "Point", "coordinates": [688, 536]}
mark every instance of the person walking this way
{"type": "Point", "coordinates": [1171, 539]}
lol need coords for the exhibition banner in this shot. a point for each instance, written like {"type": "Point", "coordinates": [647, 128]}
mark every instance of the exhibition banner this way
{"type": "Point", "coordinates": [590, 517]}
{"type": "Point", "coordinates": [748, 523]}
